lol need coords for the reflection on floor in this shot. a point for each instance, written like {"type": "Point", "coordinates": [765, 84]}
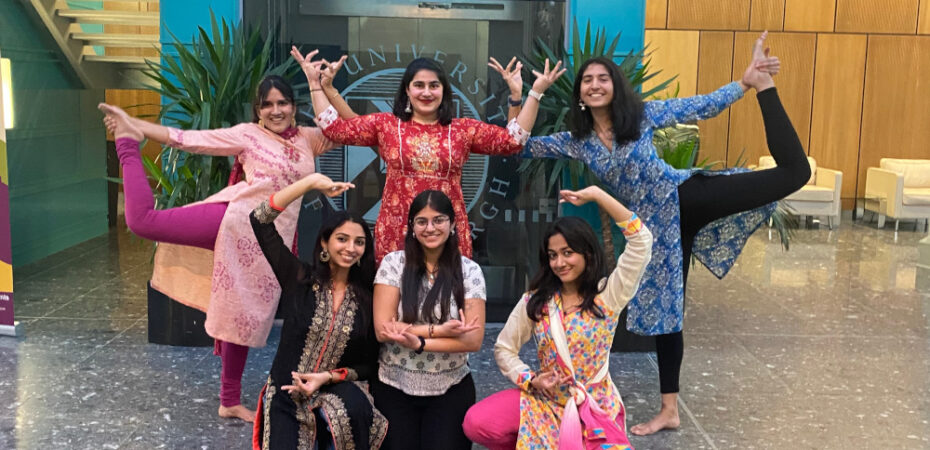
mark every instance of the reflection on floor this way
{"type": "Point", "coordinates": [825, 346]}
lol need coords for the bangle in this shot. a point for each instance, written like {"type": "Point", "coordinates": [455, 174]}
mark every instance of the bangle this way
{"type": "Point", "coordinates": [273, 206]}
{"type": "Point", "coordinates": [422, 345]}
{"type": "Point", "coordinates": [430, 331]}
{"type": "Point", "coordinates": [331, 377]}
{"type": "Point", "coordinates": [317, 89]}
{"type": "Point", "coordinates": [538, 96]}
{"type": "Point", "coordinates": [514, 103]}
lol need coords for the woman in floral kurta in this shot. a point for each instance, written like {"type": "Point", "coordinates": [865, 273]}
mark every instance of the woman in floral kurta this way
{"type": "Point", "coordinates": [423, 146]}
{"type": "Point", "coordinates": [707, 214]}
{"type": "Point", "coordinates": [531, 416]}
{"type": "Point", "coordinates": [208, 257]}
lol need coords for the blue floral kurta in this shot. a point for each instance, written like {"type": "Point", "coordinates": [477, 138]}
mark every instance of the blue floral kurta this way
{"type": "Point", "coordinates": [649, 187]}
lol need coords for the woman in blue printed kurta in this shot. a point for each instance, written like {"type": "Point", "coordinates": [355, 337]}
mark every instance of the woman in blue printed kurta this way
{"type": "Point", "coordinates": [707, 214]}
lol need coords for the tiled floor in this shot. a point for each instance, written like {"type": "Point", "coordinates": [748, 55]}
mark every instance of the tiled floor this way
{"type": "Point", "coordinates": [825, 346]}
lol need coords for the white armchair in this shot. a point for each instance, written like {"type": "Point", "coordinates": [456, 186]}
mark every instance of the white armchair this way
{"type": "Point", "coordinates": [899, 189]}
{"type": "Point", "coordinates": [819, 197]}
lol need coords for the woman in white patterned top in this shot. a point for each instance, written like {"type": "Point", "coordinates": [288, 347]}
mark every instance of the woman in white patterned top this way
{"type": "Point", "coordinates": [429, 306]}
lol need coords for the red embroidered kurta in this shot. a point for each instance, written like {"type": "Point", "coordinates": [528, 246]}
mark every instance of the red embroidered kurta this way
{"type": "Point", "coordinates": [421, 157]}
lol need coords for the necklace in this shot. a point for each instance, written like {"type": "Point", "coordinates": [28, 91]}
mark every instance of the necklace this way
{"type": "Point", "coordinates": [431, 274]}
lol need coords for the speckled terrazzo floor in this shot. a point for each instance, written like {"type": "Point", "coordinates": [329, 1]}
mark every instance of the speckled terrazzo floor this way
{"type": "Point", "coordinates": [825, 346]}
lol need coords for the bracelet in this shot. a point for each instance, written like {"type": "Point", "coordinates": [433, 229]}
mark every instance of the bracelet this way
{"type": "Point", "coordinates": [273, 206]}
{"type": "Point", "coordinates": [317, 89]}
{"type": "Point", "coordinates": [430, 331]}
{"type": "Point", "coordinates": [331, 377]}
{"type": "Point", "coordinates": [514, 103]}
{"type": "Point", "coordinates": [422, 345]}
{"type": "Point", "coordinates": [535, 95]}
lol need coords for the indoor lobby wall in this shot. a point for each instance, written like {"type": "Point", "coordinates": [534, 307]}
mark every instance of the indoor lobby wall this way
{"type": "Point", "coordinates": [57, 149]}
{"type": "Point", "coordinates": [849, 81]}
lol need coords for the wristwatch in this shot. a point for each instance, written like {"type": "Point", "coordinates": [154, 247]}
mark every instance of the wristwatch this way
{"type": "Point", "coordinates": [513, 102]}
{"type": "Point", "coordinates": [422, 345]}
{"type": "Point", "coordinates": [538, 96]}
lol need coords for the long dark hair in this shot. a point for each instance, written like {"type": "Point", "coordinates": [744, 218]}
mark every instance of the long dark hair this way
{"type": "Point", "coordinates": [448, 283]}
{"type": "Point", "coordinates": [264, 87]}
{"type": "Point", "coordinates": [626, 107]}
{"type": "Point", "coordinates": [361, 275]}
{"type": "Point", "coordinates": [580, 238]}
{"type": "Point", "coordinates": [401, 98]}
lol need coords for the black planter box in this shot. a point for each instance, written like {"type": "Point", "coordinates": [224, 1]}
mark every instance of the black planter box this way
{"type": "Point", "coordinates": [172, 323]}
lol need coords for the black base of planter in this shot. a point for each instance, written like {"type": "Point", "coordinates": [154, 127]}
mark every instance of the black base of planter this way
{"type": "Point", "coordinates": [172, 323]}
{"type": "Point", "coordinates": [625, 341]}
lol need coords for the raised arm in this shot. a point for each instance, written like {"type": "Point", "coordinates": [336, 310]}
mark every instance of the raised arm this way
{"type": "Point", "coordinates": [624, 280]}
{"type": "Point", "coordinates": [285, 265]}
{"type": "Point", "coordinates": [527, 116]}
{"type": "Point", "coordinates": [513, 76]}
{"type": "Point", "coordinates": [666, 113]}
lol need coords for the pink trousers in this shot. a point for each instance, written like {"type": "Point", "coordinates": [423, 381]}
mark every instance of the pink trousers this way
{"type": "Point", "coordinates": [196, 226]}
{"type": "Point", "coordinates": [495, 421]}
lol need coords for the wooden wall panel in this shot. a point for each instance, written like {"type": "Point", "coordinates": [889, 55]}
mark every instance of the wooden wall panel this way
{"type": "Point", "coordinates": [896, 108]}
{"type": "Point", "coordinates": [923, 20]}
{"type": "Point", "coordinates": [131, 29]}
{"type": "Point", "coordinates": [674, 53]}
{"type": "Point", "coordinates": [837, 106]}
{"type": "Point", "coordinates": [809, 15]}
{"type": "Point", "coordinates": [708, 14]}
{"type": "Point", "coordinates": [870, 16]}
{"type": "Point", "coordinates": [795, 83]}
{"type": "Point", "coordinates": [715, 68]}
{"type": "Point", "coordinates": [656, 13]}
{"type": "Point", "coordinates": [767, 15]}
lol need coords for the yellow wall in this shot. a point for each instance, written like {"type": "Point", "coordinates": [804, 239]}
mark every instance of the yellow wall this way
{"type": "Point", "coordinates": [849, 80]}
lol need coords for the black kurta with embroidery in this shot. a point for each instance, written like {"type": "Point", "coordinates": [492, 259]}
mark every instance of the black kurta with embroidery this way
{"type": "Point", "coordinates": [316, 339]}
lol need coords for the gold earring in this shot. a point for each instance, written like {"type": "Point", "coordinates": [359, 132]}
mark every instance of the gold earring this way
{"type": "Point", "coordinates": [261, 123]}
{"type": "Point", "coordinates": [293, 121]}
{"type": "Point", "coordinates": [324, 256]}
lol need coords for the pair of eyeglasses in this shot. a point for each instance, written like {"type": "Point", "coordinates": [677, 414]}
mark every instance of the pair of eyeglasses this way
{"type": "Point", "coordinates": [438, 221]}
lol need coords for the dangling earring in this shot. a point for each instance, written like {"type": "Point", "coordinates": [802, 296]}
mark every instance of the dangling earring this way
{"type": "Point", "coordinates": [261, 123]}
{"type": "Point", "coordinates": [324, 256]}
{"type": "Point", "coordinates": [408, 109]}
{"type": "Point", "coordinates": [293, 121]}
{"type": "Point", "coordinates": [581, 104]}
{"type": "Point", "coordinates": [359, 262]}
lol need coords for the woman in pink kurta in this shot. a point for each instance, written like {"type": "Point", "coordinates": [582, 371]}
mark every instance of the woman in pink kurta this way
{"type": "Point", "coordinates": [208, 257]}
{"type": "Point", "coordinates": [423, 146]}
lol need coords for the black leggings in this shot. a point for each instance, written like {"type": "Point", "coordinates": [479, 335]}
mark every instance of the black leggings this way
{"type": "Point", "coordinates": [704, 199]}
{"type": "Point", "coordinates": [416, 422]}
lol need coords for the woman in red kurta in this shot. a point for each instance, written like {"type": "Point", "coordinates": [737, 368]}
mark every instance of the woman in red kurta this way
{"type": "Point", "coordinates": [422, 145]}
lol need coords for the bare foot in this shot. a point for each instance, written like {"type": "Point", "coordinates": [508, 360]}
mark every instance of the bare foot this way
{"type": "Point", "coordinates": [667, 419]}
{"type": "Point", "coordinates": [119, 123]}
{"type": "Point", "coordinates": [238, 411]}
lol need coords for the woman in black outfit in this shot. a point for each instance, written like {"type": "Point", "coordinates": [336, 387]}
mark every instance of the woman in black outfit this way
{"type": "Point", "coordinates": [313, 398]}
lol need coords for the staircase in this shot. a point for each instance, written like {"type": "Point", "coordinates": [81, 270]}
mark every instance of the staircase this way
{"type": "Point", "coordinates": [107, 47]}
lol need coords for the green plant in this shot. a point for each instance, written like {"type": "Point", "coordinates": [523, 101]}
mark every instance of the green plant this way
{"type": "Point", "coordinates": [207, 84]}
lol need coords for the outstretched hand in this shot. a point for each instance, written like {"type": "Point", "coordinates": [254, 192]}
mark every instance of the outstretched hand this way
{"type": "Point", "coordinates": [547, 77]}
{"type": "Point", "coordinates": [399, 332]}
{"type": "Point", "coordinates": [457, 327]}
{"type": "Point", "coordinates": [578, 198]}
{"type": "Point", "coordinates": [758, 74]}
{"type": "Point", "coordinates": [312, 69]}
{"type": "Point", "coordinates": [326, 185]}
{"type": "Point", "coordinates": [329, 70]}
{"type": "Point", "coordinates": [119, 122]}
{"type": "Point", "coordinates": [513, 75]}
{"type": "Point", "coordinates": [549, 382]}
{"type": "Point", "coordinates": [306, 383]}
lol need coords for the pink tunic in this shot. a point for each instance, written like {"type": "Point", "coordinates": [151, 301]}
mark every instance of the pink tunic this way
{"type": "Point", "coordinates": [234, 283]}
